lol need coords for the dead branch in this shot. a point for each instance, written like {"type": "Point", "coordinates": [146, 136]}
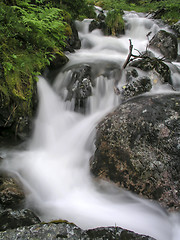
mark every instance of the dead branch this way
{"type": "Point", "coordinates": [129, 55]}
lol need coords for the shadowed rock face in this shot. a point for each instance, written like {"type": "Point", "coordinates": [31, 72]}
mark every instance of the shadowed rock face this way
{"type": "Point", "coordinates": [138, 148]}
{"type": "Point", "coordinates": [166, 43]}
{"type": "Point", "coordinates": [17, 218]}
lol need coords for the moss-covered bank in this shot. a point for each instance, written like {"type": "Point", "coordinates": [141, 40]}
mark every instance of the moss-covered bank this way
{"type": "Point", "coordinates": [32, 34]}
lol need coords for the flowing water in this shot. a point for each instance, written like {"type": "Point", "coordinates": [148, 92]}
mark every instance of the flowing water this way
{"type": "Point", "coordinates": [54, 166]}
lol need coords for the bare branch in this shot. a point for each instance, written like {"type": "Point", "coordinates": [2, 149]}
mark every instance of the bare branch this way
{"type": "Point", "coordinates": [129, 55]}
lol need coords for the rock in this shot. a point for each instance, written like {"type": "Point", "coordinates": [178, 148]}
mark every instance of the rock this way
{"type": "Point", "coordinates": [101, 16]}
{"type": "Point", "coordinates": [176, 28]}
{"type": "Point", "coordinates": [73, 41]}
{"type": "Point", "coordinates": [131, 75]}
{"type": "Point", "coordinates": [136, 87]}
{"type": "Point", "coordinates": [112, 24]}
{"type": "Point", "coordinates": [153, 64]}
{"type": "Point", "coordinates": [94, 25]}
{"type": "Point", "coordinates": [15, 122]}
{"type": "Point", "coordinates": [58, 62]}
{"type": "Point", "coordinates": [64, 230]}
{"type": "Point", "coordinates": [80, 86]}
{"type": "Point", "coordinates": [10, 219]}
{"type": "Point", "coordinates": [114, 233]}
{"type": "Point", "coordinates": [166, 43]}
{"type": "Point", "coordinates": [138, 148]}
{"type": "Point", "coordinates": [98, 25]}
{"type": "Point", "coordinates": [11, 193]}
{"type": "Point", "coordinates": [157, 14]}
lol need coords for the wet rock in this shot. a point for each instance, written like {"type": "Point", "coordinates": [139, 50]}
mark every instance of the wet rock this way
{"type": "Point", "coordinates": [114, 233]}
{"type": "Point", "coordinates": [58, 61]}
{"type": "Point", "coordinates": [166, 43]}
{"type": "Point", "coordinates": [153, 64]}
{"type": "Point", "coordinates": [176, 28]}
{"type": "Point", "coordinates": [98, 25]}
{"type": "Point", "coordinates": [131, 75]}
{"type": "Point", "coordinates": [65, 230]}
{"type": "Point", "coordinates": [73, 41]}
{"type": "Point", "coordinates": [94, 25]}
{"type": "Point", "coordinates": [10, 219]}
{"type": "Point", "coordinates": [101, 16]}
{"type": "Point", "coordinates": [108, 25]}
{"type": "Point", "coordinates": [138, 147]}
{"type": "Point", "coordinates": [11, 193]}
{"type": "Point", "coordinates": [136, 87]}
{"type": "Point", "coordinates": [80, 87]}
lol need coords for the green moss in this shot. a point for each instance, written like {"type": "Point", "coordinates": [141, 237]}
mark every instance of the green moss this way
{"type": "Point", "coordinates": [30, 37]}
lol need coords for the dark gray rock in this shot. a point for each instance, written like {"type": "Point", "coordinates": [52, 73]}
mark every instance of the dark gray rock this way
{"type": "Point", "coordinates": [136, 87]}
{"type": "Point", "coordinates": [166, 43]}
{"type": "Point", "coordinates": [63, 230]}
{"type": "Point", "coordinates": [131, 75]}
{"type": "Point", "coordinates": [114, 233]}
{"type": "Point", "coordinates": [153, 64]}
{"type": "Point", "coordinates": [94, 25]}
{"type": "Point", "coordinates": [10, 219]}
{"type": "Point", "coordinates": [80, 87]}
{"type": "Point", "coordinates": [73, 41]}
{"type": "Point", "coordinates": [101, 16]}
{"type": "Point", "coordinates": [138, 148]}
{"type": "Point", "coordinates": [58, 62]}
{"type": "Point", "coordinates": [98, 25]}
{"type": "Point", "coordinates": [176, 28]}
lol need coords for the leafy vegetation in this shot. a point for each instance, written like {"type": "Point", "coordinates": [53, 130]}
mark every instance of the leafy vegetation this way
{"type": "Point", "coordinates": [32, 32]}
{"type": "Point", "coordinates": [168, 9]}
{"type": "Point", "coordinates": [115, 22]}
{"type": "Point", "coordinates": [30, 36]}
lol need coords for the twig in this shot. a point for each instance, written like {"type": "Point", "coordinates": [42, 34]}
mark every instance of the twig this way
{"type": "Point", "coordinates": [129, 55]}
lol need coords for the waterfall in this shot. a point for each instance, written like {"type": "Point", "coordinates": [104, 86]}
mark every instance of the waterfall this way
{"type": "Point", "coordinates": [54, 167]}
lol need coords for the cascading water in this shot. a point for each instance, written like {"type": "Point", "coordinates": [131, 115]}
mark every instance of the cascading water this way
{"type": "Point", "coordinates": [54, 168]}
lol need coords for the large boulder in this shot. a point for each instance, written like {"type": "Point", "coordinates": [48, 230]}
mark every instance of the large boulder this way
{"type": "Point", "coordinates": [63, 230]}
{"type": "Point", "coordinates": [166, 43]}
{"type": "Point", "coordinates": [138, 148]}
